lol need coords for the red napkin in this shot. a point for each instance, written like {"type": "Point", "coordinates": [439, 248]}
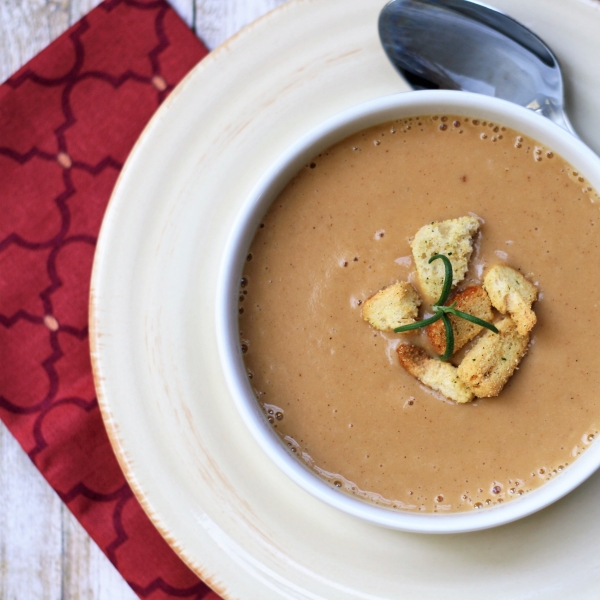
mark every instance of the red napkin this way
{"type": "Point", "coordinates": [68, 119]}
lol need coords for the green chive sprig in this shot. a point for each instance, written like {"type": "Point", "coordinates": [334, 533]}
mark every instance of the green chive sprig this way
{"type": "Point", "coordinates": [442, 312]}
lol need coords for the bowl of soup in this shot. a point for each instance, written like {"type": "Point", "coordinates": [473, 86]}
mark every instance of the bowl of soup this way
{"type": "Point", "coordinates": [329, 225]}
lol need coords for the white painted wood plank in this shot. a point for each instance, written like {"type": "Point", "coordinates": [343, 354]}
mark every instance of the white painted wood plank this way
{"type": "Point", "coordinates": [30, 528]}
{"type": "Point", "coordinates": [86, 572]}
{"type": "Point", "coordinates": [26, 27]}
{"type": "Point", "coordinates": [218, 20]}
{"type": "Point", "coordinates": [185, 9]}
{"type": "Point", "coordinates": [79, 8]}
{"type": "Point", "coordinates": [45, 554]}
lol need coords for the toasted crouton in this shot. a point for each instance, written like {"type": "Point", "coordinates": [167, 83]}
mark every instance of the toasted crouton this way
{"type": "Point", "coordinates": [473, 301]}
{"type": "Point", "coordinates": [392, 307]}
{"type": "Point", "coordinates": [439, 376]}
{"type": "Point", "coordinates": [511, 293]}
{"type": "Point", "coordinates": [493, 359]}
{"type": "Point", "coordinates": [454, 238]}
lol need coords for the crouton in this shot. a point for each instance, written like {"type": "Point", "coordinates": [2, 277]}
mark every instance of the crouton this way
{"type": "Point", "coordinates": [493, 359]}
{"type": "Point", "coordinates": [473, 301]}
{"type": "Point", "coordinates": [454, 238]}
{"type": "Point", "coordinates": [392, 307]}
{"type": "Point", "coordinates": [511, 293]}
{"type": "Point", "coordinates": [439, 376]}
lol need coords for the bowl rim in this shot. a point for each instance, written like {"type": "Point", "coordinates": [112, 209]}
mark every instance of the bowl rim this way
{"type": "Point", "coordinates": [338, 127]}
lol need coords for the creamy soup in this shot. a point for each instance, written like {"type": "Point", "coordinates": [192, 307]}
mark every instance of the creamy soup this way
{"type": "Point", "coordinates": [332, 386]}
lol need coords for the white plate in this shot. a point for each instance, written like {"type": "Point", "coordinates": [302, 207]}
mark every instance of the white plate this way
{"type": "Point", "coordinates": [219, 501]}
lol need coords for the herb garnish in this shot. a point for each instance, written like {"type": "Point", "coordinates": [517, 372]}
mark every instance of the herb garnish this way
{"type": "Point", "coordinates": [441, 312]}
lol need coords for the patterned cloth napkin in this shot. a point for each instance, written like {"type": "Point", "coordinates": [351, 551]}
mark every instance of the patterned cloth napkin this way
{"type": "Point", "coordinates": [68, 119]}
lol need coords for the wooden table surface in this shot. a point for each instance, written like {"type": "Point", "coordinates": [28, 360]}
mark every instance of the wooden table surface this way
{"type": "Point", "coordinates": [44, 552]}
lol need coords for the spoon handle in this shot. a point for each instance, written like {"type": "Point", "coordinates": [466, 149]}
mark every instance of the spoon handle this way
{"type": "Point", "coordinates": [548, 109]}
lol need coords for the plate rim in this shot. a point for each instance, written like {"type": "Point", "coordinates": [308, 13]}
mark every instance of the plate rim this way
{"type": "Point", "coordinates": [110, 423]}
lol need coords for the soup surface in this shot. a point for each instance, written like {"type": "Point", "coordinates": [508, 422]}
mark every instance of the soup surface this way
{"type": "Point", "coordinates": [332, 386]}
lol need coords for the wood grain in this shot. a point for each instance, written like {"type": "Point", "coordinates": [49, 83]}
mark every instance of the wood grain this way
{"type": "Point", "coordinates": [44, 553]}
{"type": "Point", "coordinates": [26, 27]}
{"type": "Point", "coordinates": [30, 520]}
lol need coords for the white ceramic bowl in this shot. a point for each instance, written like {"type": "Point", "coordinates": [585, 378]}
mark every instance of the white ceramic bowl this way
{"type": "Point", "coordinates": [270, 185]}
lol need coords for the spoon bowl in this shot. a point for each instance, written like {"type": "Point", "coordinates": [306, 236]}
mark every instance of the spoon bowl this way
{"type": "Point", "coordinates": [462, 45]}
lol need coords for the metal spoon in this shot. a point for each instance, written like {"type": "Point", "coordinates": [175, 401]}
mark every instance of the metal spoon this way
{"type": "Point", "coordinates": [461, 45]}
